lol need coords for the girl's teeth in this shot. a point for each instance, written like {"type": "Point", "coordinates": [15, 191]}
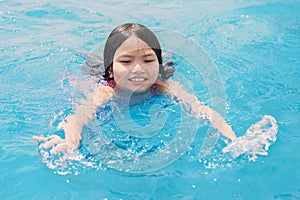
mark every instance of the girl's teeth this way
{"type": "Point", "coordinates": [138, 79]}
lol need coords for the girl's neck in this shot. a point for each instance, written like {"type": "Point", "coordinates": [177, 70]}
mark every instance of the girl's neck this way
{"type": "Point", "coordinates": [130, 97]}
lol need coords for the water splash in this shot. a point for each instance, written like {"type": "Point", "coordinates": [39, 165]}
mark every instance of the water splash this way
{"type": "Point", "coordinates": [256, 140]}
{"type": "Point", "coordinates": [71, 162]}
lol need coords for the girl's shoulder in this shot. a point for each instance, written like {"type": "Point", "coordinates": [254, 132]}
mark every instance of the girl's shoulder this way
{"type": "Point", "coordinates": [168, 86]}
{"type": "Point", "coordinates": [103, 92]}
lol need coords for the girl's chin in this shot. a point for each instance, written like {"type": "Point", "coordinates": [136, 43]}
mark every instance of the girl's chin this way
{"type": "Point", "coordinates": [136, 89]}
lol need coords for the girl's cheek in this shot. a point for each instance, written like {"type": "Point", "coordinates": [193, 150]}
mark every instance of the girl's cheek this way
{"type": "Point", "coordinates": [119, 69]}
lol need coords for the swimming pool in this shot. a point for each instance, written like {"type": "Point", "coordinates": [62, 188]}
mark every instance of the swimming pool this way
{"type": "Point", "coordinates": [255, 46]}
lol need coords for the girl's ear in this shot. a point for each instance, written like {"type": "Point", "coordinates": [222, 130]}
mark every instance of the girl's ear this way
{"type": "Point", "coordinates": [110, 72]}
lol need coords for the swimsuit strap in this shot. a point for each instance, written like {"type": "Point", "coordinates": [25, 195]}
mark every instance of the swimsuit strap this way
{"type": "Point", "coordinates": [154, 88]}
{"type": "Point", "coordinates": [112, 84]}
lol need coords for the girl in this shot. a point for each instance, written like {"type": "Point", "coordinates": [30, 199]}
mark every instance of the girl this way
{"type": "Point", "coordinates": [133, 70]}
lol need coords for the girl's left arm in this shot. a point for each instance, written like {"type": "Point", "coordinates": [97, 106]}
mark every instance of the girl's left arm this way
{"type": "Point", "coordinates": [197, 107]}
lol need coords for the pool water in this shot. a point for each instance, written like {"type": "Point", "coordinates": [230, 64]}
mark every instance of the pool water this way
{"type": "Point", "coordinates": [254, 45]}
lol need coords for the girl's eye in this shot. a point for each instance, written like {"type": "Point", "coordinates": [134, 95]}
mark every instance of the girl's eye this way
{"type": "Point", "coordinates": [125, 61]}
{"type": "Point", "coordinates": [149, 61]}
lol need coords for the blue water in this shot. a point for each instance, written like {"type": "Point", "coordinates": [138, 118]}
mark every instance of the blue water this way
{"type": "Point", "coordinates": [255, 46]}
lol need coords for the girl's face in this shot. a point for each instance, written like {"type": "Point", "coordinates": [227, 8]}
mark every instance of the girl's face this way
{"type": "Point", "coordinates": [135, 66]}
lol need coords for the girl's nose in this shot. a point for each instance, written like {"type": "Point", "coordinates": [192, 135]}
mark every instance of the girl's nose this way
{"type": "Point", "coordinates": [138, 69]}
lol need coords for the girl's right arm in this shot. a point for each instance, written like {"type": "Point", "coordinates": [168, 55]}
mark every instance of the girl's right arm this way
{"type": "Point", "coordinates": [74, 123]}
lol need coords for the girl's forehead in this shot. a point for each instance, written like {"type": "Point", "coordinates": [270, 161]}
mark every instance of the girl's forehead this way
{"type": "Point", "coordinates": [133, 45]}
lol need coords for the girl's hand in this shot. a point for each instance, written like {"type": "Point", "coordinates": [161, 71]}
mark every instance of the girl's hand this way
{"type": "Point", "coordinates": [57, 143]}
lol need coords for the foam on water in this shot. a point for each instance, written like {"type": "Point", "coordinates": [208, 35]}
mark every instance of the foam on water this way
{"type": "Point", "coordinates": [256, 140]}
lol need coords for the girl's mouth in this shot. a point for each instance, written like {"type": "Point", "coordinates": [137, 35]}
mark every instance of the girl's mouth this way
{"type": "Point", "coordinates": [138, 79]}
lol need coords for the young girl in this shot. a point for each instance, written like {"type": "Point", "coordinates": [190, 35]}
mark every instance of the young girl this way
{"type": "Point", "coordinates": [133, 70]}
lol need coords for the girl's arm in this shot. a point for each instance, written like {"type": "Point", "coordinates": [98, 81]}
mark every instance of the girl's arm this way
{"type": "Point", "coordinates": [197, 108]}
{"type": "Point", "coordinates": [74, 123]}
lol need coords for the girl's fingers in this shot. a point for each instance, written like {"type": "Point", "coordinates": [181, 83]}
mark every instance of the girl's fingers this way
{"type": "Point", "coordinates": [61, 125]}
{"type": "Point", "coordinates": [226, 141]}
{"type": "Point", "coordinates": [39, 138]}
{"type": "Point", "coordinates": [57, 143]}
{"type": "Point", "coordinates": [59, 148]}
{"type": "Point", "coordinates": [62, 147]}
{"type": "Point", "coordinates": [54, 140]}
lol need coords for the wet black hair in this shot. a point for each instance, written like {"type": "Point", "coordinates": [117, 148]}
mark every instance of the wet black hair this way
{"type": "Point", "coordinates": [96, 65]}
{"type": "Point", "coordinates": [120, 34]}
